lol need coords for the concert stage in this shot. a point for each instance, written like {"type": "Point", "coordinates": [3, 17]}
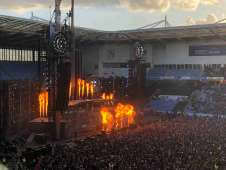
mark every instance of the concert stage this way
{"type": "Point", "coordinates": [81, 119]}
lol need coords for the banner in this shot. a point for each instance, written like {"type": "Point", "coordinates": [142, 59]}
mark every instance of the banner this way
{"type": "Point", "coordinates": [207, 50]}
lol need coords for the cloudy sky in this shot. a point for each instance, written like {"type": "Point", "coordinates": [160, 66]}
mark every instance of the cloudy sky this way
{"type": "Point", "coordinates": [123, 14]}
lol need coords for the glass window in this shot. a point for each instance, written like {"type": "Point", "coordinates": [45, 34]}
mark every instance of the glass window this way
{"type": "Point", "coordinates": [182, 66]}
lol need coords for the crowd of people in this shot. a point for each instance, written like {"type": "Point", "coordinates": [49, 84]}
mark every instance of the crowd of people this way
{"type": "Point", "coordinates": [168, 144]}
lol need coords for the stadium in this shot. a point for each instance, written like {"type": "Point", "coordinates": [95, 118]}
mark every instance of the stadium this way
{"type": "Point", "coordinates": [178, 59]}
{"type": "Point", "coordinates": [80, 98]}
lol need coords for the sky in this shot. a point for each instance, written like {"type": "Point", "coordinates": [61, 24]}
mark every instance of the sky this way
{"type": "Point", "coordinates": [123, 14]}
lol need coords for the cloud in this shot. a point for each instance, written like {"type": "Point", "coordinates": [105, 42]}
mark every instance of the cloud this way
{"type": "Point", "coordinates": [193, 4]}
{"type": "Point", "coordinates": [210, 19]}
{"type": "Point", "coordinates": [146, 5]}
{"type": "Point", "coordinates": [132, 5]}
{"type": "Point", "coordinates": [21, 6]}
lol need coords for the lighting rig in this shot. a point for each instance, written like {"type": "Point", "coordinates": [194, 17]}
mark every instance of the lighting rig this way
{"type": "Point", "coordinates": [56, 67]}
{"type": "Point", "coordinates": [137, 71]}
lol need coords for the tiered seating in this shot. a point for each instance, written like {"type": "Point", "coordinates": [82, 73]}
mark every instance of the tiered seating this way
{"type": "Point", "coordinates": [178, 74]}
{"type": "Point", "coordinates": [207, 101]}
{"type": "Point", "coordinates": [18, 71]}
{"type": "Point", "coordinates": [155, 74]}
{"type": "Point", "coordinates": [171, 87]}
{"type": "Point", "coordinates": [162, 105]}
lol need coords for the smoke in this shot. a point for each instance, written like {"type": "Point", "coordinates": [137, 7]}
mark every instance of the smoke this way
{"type": "Point", "coordinates": [132, 5]}
{"type": "Point", "coordinates": [210, 19]}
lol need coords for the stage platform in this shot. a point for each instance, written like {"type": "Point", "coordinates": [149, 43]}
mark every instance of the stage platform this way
{"type": "Point", "coordinates": [77, 102]}
{"type": "Point", "coordinates": [45, 120]}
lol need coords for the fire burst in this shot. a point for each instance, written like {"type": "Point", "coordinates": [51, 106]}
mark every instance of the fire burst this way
{"type": "Point", "coordinates": [43, 104]}
{"type": "Point", "coordinates": [107, 97]}
{"type": "Point", "coordinates": [79, 87]}
{"type": "Point", "coordinates": [107, 119]}
{"type": "Point", "coordinates": [122, 116]}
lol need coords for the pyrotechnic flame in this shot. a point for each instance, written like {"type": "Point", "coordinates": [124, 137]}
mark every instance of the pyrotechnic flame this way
{"type": "Point", "coordinates": [87, 89]}
{"type": "Point", "coordinates": [92, 89]}
{"type": "Point", "coordinates": [70, 91]}
{"type": "Point", "coordinates": [111, 96]}
{"type": "Point", "coordinates": [107, 119]}
{"type": "Point", "coordinates": [107, 97]}
{"type": "Point", "coordinates": [103, 96]}
{"type": "Point", "coordinates": [83, 88]}
{"type": "Point", "coordinates": [79, 87]}
{"type": "Point", "coordinates": [121, 117]}
{"type": "Point", "coordinates": [46, 103]}
{"type": "Point", "coordinates": [43, 104]}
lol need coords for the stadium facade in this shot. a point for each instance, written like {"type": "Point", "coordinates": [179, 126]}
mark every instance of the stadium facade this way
{"type": "Point", "coordinates": [189, 47]}
{"type": "Point", "coordinates": [104, 53]}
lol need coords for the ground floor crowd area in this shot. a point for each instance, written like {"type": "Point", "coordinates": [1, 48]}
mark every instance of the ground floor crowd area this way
{"type": "Point", "coordinates": [165, 142]}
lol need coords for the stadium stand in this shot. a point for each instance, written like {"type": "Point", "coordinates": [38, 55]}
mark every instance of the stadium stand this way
{"type": "Point", "coordinates": [171, 87]}
{"type": "Point", "coordinates": [208, 100]}
{"type": "Point", "coordinates": [164, 103]}
{"type": "Point", "coordinates": [18, 71]}
{"type": "Point", "coordinates": [175, 74]}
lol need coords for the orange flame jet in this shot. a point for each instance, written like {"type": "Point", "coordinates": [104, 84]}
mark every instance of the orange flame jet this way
{"type": "Point", "coordinates": [43, 104]}
{"type": "Point", "coordinates": [103, 96]}
{"type": "Point", "coordinates": [107, 97]}
{"type": "Point", "coordinates": [79, 87]}
{"type": "Point", "coordinates": [83, 88]}
{"type": "Point", "coordinates": [87, 89]}
{"type": "Point", "coordinates": [92, 89]}
{"type": "Point", "coordinates": [111, 96]}
{"type": "Point", "coordinates": [70, 89]}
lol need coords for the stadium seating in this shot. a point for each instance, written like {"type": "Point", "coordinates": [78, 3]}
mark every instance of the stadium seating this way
{"type": "Point", "coordinates": [207, 101]}
{"type": "Point", "coordinates": [162, 104]}
{"type": "Point", "coordinates": [177, 74]}
{"type": "Point", "coordinates": [18, 71]}
{"type": "Point", "coordinates": [170, 87]}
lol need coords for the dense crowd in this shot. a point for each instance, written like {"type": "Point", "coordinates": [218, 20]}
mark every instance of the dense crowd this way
{"type": "Point", "coordinates": [167, 144]}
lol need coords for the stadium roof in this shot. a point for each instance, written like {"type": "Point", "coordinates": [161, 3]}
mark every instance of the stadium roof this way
{"type": "Point", "coordinates": [166, 33]}
{"type": "Point", "coordinates": [20, 33]}
{"type": "Point", "coordinates": [26, 33]}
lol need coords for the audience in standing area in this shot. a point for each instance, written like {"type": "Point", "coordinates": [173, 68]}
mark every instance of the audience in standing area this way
{"type": "Point", "coordinates": [180, 143]}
